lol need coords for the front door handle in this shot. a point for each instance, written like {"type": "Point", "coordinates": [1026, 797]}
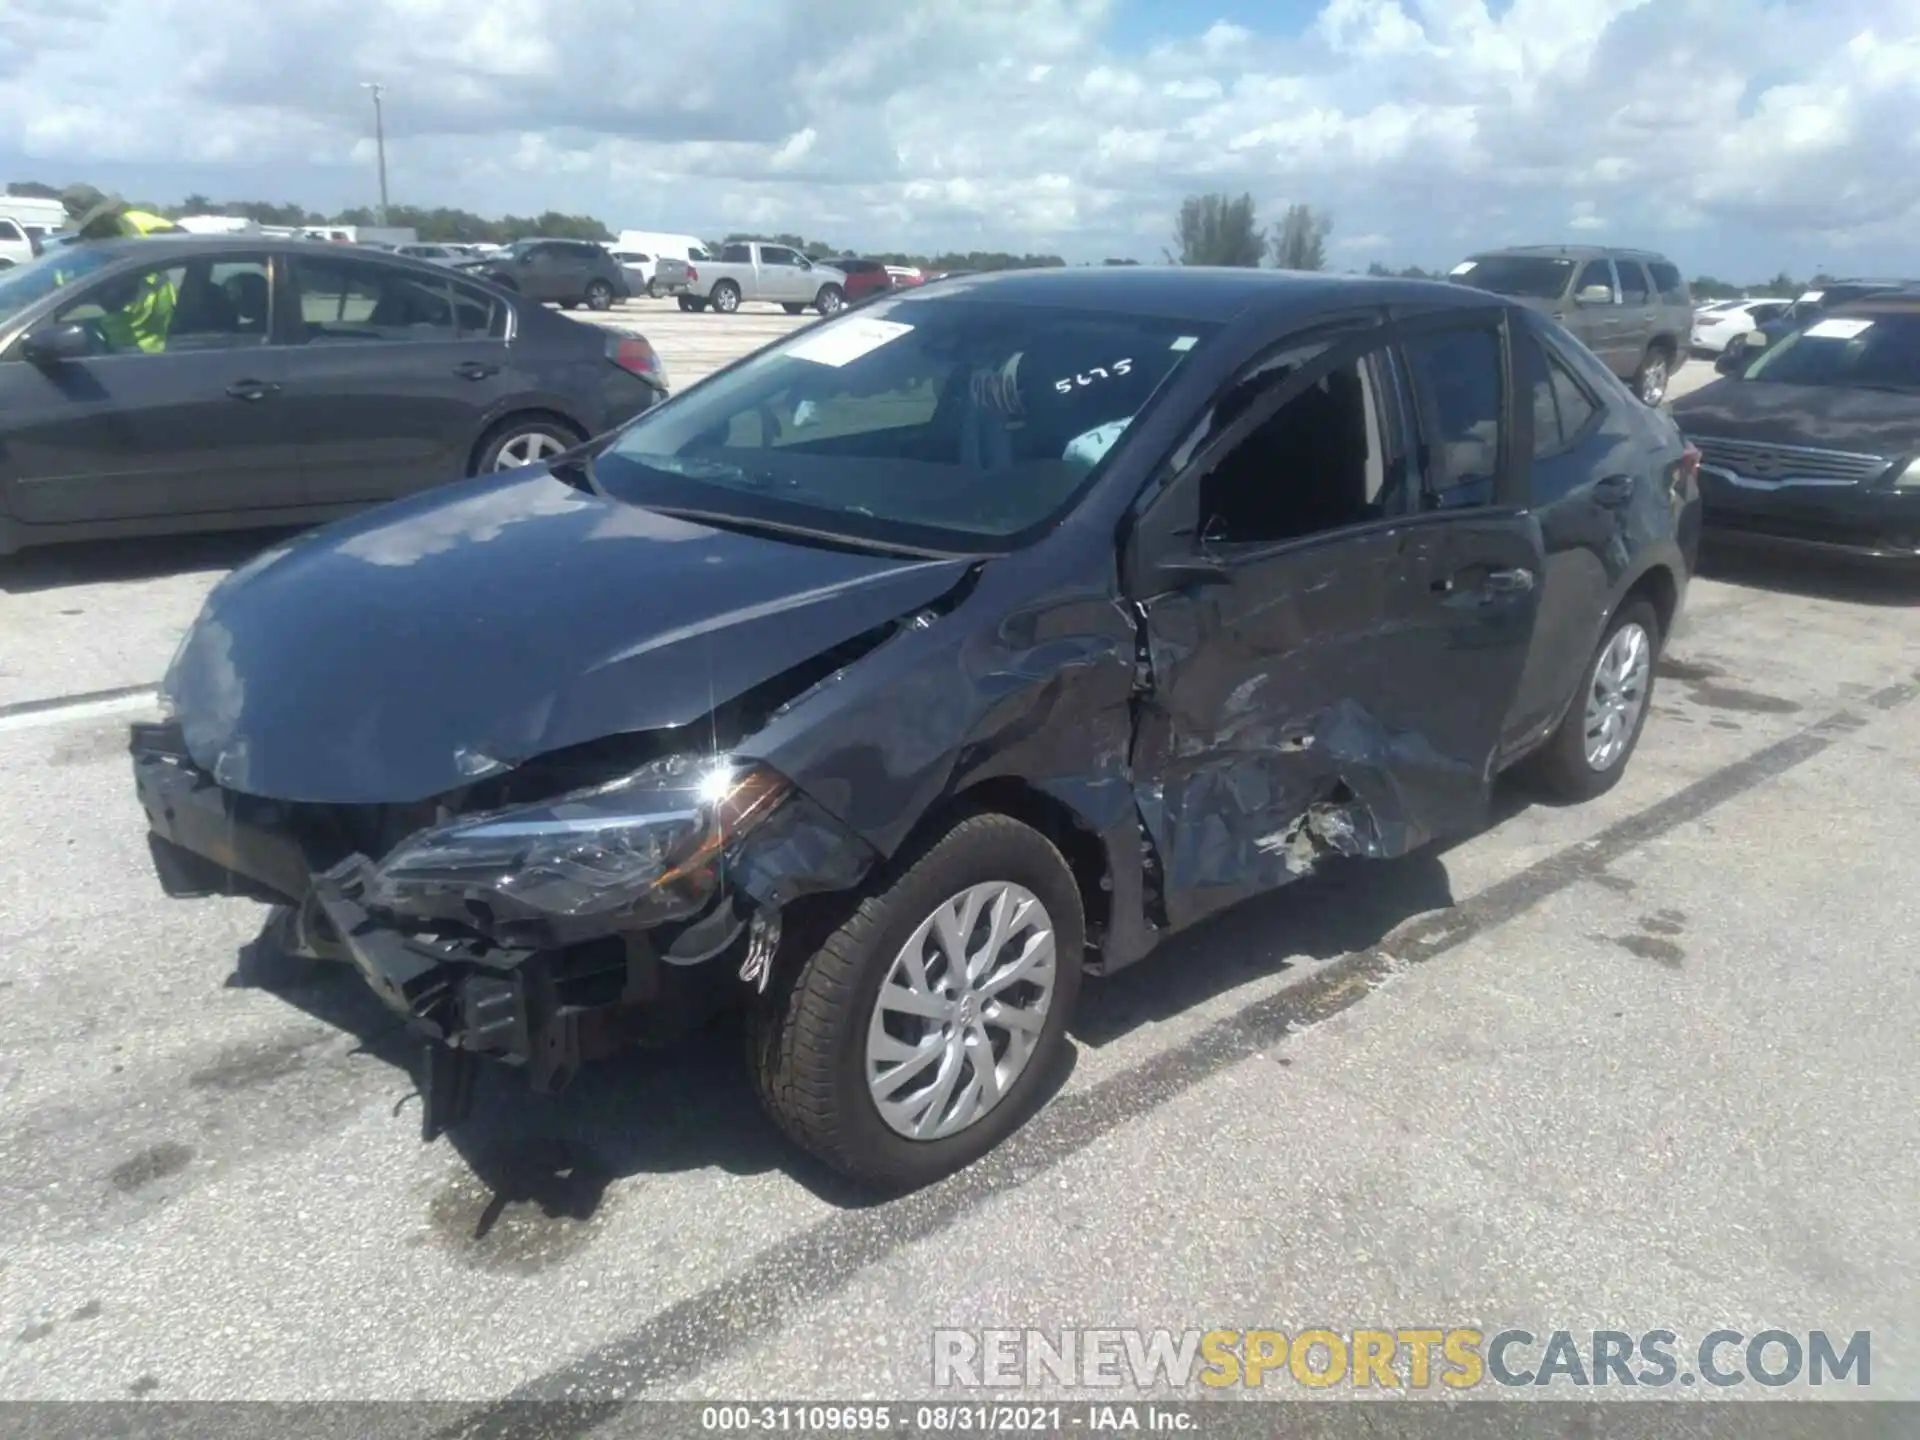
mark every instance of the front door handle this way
{"type": "Point", "coordinates": [1613, 490]}
{"type": "Point", "coordinates": [252, 389]}
{"type": "Point", "coordinates": [474, 370]}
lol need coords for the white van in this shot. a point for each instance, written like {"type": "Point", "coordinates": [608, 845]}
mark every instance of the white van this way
{"type": "Point", "coordinates": [656, 244]}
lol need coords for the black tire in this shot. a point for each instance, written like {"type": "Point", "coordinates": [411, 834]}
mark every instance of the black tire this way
{"type": "Point", "coordinates": [793, 309]}
{"type": "Point", "coordinates": [831, 300]}
{"type": "Point", "coordinates": [1561, 767]}
{"type": "Point", "coordinates": [807, 1044]}
{"type": "Point", "coordinates": [569, 304]}
{"type": "Point", "coordinates": [1650, 381]}
{"type": "Point", "coordinates": [502, 438]}
{"type": "Point", "coordinates": [653, 289]}
{"type": "Point", "coordinates": [688, 303]}
{"type": "Point", "coordinates": [725, 297]}
{"type": "Point", "coordinates": [599, 295]}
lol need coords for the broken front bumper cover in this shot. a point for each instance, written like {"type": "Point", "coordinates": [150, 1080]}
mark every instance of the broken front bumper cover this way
{"type": "Point", "coordinates": [544, 936]}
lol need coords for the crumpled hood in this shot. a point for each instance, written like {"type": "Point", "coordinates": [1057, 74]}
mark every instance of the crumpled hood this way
{"type": "Point", "coordinates": [408, 651]}
{"type": "Point", "coordinates": [1824, 417]}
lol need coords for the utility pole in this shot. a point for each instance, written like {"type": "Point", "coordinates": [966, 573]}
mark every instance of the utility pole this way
{"type": "Point", "coordinates": [379, 140]}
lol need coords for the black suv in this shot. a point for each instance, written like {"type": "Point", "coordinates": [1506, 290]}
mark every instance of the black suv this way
{"type": "Point", "coordinates": [1629, 307]}
{"type": "Point", "coordinates": [569, 272]}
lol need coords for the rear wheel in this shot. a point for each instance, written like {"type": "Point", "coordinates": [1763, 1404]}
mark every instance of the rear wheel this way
{"type": "Point", "coordinates": [520, 441]}
{"type": "Point", "coordinates": [1656, 367]}
{"type": "Point", "coordinates": [914, 1039]}
{"type": "Point", "coordinates": [599, 295]}
{"type": "Point", "coordinates": [691, 303]}
{"type": "Point", "coordinates": [793, 309]}
{"type": "Point", "coordinates": [726, 297]}
{"type": "Point", "coordinates": [1589, 752]}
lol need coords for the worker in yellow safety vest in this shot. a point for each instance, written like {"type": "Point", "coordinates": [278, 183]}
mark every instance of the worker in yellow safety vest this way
{"type": "Point", "coordinates": [138, 317]}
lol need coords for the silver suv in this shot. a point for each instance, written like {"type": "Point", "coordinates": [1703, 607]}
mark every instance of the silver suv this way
{"type": "Point", "coordinates": [1629, 307]}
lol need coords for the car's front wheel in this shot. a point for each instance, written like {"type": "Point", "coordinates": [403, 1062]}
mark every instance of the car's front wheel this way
{"type": "Point", "coordinates": [599, 295]}
{"type": "Point", "coordinates": [831, 300]}
{"type": "Point", "coordinates": [916, 1036]}
{"type": "Point", "coordinates": [726, 297]}
{"type": "Point", "coordinates": [1589, 752]}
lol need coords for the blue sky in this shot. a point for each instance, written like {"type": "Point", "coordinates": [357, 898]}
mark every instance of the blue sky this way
{"type": "Point", "coordinates": [1740, 136]}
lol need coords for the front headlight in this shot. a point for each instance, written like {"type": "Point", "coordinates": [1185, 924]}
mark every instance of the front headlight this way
{"type": "Point", "coordinates": [651, 844]}
{"type": "Point", "coordinates": [1909, 478]}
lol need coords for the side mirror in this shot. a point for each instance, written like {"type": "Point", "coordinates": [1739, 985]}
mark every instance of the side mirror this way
{"type": "Point", "coordinates": [52, 343]}
{"type": "Point", "coordinates": [1594, 295]}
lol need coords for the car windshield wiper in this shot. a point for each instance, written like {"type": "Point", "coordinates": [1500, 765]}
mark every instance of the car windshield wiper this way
{"type": "Point", "coordinates": [805, 534]}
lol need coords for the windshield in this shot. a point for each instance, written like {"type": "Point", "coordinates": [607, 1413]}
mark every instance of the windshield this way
{"type": "Point", "coordinates": [950, 425]}
{"type": "Point", "coordinates": [24, 285]}
{"type": "Point", "coordinates": [1529, 277]}
{"type": "Point", "coordinates": [1878, 352]}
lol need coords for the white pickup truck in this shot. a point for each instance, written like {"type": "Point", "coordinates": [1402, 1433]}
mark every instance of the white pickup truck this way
{"type": "Point", "coordinates": [775, 274]}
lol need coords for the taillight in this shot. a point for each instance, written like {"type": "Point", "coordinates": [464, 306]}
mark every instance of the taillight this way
{"type": "Point", "coordinates": [633, 354]}
{"type": "Point", "coordinates": [1686, 470]}
{"type": "Point", "coordinates": [692, 274]}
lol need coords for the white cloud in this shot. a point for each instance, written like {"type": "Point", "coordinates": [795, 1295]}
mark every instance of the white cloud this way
{"type": "Point", "coordinates": [1736, 132]}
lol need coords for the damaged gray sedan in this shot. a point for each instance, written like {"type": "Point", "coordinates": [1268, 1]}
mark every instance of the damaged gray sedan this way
{"type": "Point", "coordinates": [903, 673]}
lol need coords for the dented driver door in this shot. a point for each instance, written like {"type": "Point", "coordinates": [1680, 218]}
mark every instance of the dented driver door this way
{"type": "Point", "coordinates": [1337, 602]}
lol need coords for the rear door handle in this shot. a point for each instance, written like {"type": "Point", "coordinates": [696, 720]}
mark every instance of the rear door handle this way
{"type": "Point", "coordinates": [1516, 581]}
{"type": "Point", "coordinates": [1613, 490]}
{"type": "Point", "coordinates": [252, 389]}
{"type": "Point", "coordinates": [474, 370]}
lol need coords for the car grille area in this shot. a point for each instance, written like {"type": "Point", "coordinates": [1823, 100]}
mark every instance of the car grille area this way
{"type": "Point", "coordinates": [1762, 466]}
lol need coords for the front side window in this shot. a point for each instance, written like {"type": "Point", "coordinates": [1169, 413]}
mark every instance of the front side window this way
{"type": "Point", "coordinates": [947, 425]}
{"type": "Point", "coordinates": [1596, 273]}
{"type": "Point", "coordinates": [1456, 377]}
{"type": "Point", "coordinates": [1318, 463]}
{"type": "Point", "coordinates": [343, 300]}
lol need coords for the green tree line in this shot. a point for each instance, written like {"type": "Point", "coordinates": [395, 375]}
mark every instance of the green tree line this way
{"type": "Point", "coordinates": [1223, 229]}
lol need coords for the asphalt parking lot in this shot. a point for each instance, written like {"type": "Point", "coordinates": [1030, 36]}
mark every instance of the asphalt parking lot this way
{"type": "Point", "coordinates": [1643, 1064]}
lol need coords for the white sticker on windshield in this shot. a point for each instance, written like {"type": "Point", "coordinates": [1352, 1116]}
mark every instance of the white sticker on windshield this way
{"type": "Point", "coordinates": [1088, 448]}
{"type": "Point", "coordinates": [1838, 329]}
{"type": "Point", "coordinates": [1185, 342]}
{"type": "Point", "coordinates": [1463, 267]}
{"type": "Point", "coordinates": [845, 341]}
{"type": "Point", "coordinates": [1810, 297]}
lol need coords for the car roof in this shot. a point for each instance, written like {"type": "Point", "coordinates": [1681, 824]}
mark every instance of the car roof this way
{"type": "Point", "coordinates": [1190, 292]}
{"type": "Point", "coordinates": [1890, 302]}
{"type": "Point", "coordinates": [1575, 252]}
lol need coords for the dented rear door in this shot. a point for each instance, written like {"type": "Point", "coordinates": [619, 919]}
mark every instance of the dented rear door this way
{"type": "Point", "coordinates": [1343, 692]}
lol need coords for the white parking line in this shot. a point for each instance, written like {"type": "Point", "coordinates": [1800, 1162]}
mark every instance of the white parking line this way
{"type": "Point", "coordinates": [81, 708]}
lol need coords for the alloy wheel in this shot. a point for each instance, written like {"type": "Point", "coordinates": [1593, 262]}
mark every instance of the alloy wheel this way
{"type": "Point", "coordinates": [531, 447]}
{"type": "Point", "coordinates": [1619, 693]}
{"type": "Point", "coordinates": [1653, 380]}
{"type": "Point", "coordinates": [961, 1010]}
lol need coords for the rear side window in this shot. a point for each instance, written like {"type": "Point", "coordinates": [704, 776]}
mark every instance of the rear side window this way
{"type": "Point", "coordinates": [478, 315]}
{"type": "Point", "coordinates": [735, 255]}
{"type": "Point", "coordinates": [1667, 282]}
{"type": "Point", "coordinates": [1633, 282]}
{"type": "Point", "coordinates": [1456, 385]}
{"type": "Point", "coordinates": [342, 301]}
{"type": "Point", "coordinates": [10, 231]}
{"type": "Point", "coordinates": [1562, 408]}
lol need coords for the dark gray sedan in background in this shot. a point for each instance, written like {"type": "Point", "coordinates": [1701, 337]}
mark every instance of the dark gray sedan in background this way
{"type": "Point", "coordinates": [291, 382]}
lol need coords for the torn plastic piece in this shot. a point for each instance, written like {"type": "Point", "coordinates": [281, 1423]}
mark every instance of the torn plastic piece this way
{"type": "Point", "coordinates": [1323, 828]}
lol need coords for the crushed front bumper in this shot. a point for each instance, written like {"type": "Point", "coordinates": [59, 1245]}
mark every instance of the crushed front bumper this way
{"type": "Point", "coordinates": [545, 1011]}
